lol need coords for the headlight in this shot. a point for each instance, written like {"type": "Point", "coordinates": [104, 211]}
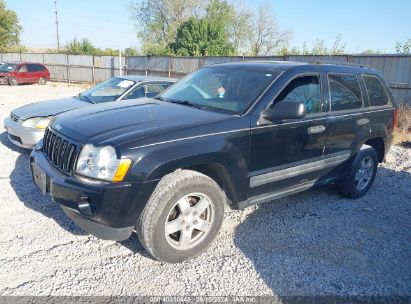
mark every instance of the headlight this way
{"type": "Point", "coordinates": [102, 163]}
{"type": "Point", "coordinates": [37, 122]}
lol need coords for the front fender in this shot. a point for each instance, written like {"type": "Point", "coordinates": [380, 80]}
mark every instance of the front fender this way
{"type": "Point", "coordinates": [228, 153]}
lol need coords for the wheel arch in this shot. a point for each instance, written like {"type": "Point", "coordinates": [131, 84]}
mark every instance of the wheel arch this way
{"type": "Point", "coordinates": [379, 145]}
{"type": "Point", "coordinates": [230, 177]}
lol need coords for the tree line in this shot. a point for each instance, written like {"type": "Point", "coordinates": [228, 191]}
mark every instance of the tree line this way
{"type": "Point", "coordinates": [194, 28]}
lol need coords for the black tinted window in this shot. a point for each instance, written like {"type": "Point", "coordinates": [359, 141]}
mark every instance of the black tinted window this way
{"type": "Point", "coordinates": [32, 68]}
{"type": "Point", "coordinates": [35, 67]}
{"type": "Point", "coordinates": [375, 91]}
{"type": "Point", "coordinates": [345, 92]}
{"type": "Point", "coordinates": [304, 89]}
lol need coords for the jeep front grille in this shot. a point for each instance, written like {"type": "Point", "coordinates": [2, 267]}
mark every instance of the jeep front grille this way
{"type": "Point", "coordinates": [60, 151]}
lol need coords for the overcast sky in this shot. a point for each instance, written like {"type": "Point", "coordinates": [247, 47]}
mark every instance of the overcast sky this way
{"type": "Point", "coordinates": [363, 24]}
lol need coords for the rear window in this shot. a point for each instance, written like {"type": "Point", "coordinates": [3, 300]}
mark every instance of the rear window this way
{"type": "Point", "coordinates": [375, 91]}
{"type": "Point", "coordinates": [345, 92]}
{"type": "Point", "coordinates": [35, 67]}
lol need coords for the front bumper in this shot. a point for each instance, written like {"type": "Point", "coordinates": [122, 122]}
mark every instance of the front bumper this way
{"type": "Point", "coordinates": [104, 209]}
{"type": "Point", "coordinates": [20, 136]}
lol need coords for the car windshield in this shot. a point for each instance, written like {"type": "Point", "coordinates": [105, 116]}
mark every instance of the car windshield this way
{"type": "Point", "coordinates": [224, 89]}
{"type": "Point", "coordinates": [7, 67]}
{"type": "Point", "coordinates": [108, 90]}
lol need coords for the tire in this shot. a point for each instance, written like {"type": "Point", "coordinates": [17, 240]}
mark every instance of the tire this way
{"type": "Point", "coordinates": [361, 173]}
{"type": "Point", "coordinates": [183, 188]}
{"type": "Point", "coordinates": [12, 81]}
{"type": "Point", "coordinates": [42, 81]}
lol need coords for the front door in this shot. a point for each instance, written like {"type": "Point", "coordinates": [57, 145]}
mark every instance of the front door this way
{"type": "Point", "coordinates": [23, 75]}
{"type": "Point", "coordinates": [289, 153]}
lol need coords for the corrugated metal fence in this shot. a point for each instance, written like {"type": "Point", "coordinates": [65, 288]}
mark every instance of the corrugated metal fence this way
{"type": "Point", "coordinates": [396, 69]}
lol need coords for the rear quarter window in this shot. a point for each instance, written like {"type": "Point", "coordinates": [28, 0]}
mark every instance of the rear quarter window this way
{"type": "Point", "coordinates": [345, 92]}
{"type": "Point", "coordinates": [377, 95]}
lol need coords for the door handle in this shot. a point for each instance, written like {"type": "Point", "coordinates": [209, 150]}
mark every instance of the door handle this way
{"type": "Point", "coordinates": [362, 121]}
{"type": "Point", "coordinates": [316, 129]}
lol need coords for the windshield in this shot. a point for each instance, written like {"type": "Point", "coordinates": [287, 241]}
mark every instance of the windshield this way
{"type": "Point", "coordinates": [224, 89]}
{"type": "Point", "coordinates": [108, 90]}
{"type": "Point", "coordinates": [7, 67]}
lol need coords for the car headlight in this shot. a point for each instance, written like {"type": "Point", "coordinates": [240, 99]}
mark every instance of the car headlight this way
{"type": "Point", "coordinates": [102, 163]}
{"type": "Point", "coordinates": [37, 122]}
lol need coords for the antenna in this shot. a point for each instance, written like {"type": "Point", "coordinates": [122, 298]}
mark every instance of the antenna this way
{"type": "Point", "coordinates": [57, 26]}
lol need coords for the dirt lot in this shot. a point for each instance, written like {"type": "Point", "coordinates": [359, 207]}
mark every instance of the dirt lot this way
{"type": "Point", "coordinates": [313, 243]}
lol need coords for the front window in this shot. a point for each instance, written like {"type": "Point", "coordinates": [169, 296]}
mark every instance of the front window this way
{"type": "Point", "coordinates": [225, 89]}
{"type": "Point", "coordinates": [305, 89]}
{"type": "Point", "coordinates": [8, 67]}
{"type": "Point", "coordinates": [106, 91]}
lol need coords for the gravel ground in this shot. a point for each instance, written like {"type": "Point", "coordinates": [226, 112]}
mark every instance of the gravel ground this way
{"type": "Point", "coordinates": [312, 243]}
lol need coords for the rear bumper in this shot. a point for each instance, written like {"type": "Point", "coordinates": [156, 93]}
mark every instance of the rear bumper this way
{"type": "Point", "coordinates": [20, 136]}
{"type": "Point", "coordinates": [104, 209]}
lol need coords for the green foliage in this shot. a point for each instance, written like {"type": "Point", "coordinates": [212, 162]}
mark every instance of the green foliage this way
{"type": "Point", "coordinates": [157, 21]}
{"type": "Point", "coordinates": [10, 29]}
{"type": "Point", "coordinates": [83, 47]}
{"type": "Point", "coordinates": [403, 48]}
{"type": "Point", "coordinates": [220, 12]}
{"type": "Point", "coordinates": [156, 50]}
{"type": "Point", "coordinates": [130, 51]}
{"type": "Point", "coordinates": [202, 37]}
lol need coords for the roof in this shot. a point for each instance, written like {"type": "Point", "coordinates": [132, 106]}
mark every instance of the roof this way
{"type": "Point", "coordinates": [303, 66]}
{"type": "Point", "coordinates": [142, 78]}
{"type": "Point", "coordinates": [22, 62]}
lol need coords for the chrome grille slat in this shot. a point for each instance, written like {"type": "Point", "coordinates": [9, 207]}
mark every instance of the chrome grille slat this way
{"type": "Point", "coordinates": [60, 151]}
{"type": "Point", "coordinates": [69, 152]}
{"type": "Point", "coordinates": [52, 139]}
{"type": "Point", "coordinates": [54, 152]}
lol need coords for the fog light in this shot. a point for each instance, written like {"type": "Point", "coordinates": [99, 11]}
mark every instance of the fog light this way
{"type": "Point", "coordinates": [85, 205]}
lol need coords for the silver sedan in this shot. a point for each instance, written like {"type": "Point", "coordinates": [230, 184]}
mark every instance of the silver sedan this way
{"type": "Point", "coordinates": [25, 126]}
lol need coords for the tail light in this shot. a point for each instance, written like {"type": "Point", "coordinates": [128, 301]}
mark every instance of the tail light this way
{"type": "Point", "coordinates": [395, 117]}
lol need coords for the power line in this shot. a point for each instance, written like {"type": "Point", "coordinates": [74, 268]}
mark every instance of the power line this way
{"type": "Point", "coordinates": [57, 25]}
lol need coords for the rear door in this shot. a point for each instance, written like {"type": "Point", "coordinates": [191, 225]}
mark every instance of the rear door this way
{"type": "Point", "coordinates": [34, 72]}
{"type": "Point", "coordinates": [345, 121]}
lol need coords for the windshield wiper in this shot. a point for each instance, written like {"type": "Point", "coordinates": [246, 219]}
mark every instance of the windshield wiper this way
{"type": "Point", "coordinates": [160, 98]}
{"type": "Point", "coordinates": [187, 103]}
{"type": "Point", "coordinates": [182, 102]}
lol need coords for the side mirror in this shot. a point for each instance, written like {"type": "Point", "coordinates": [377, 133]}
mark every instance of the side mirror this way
{"type": "Point", "coordinates": [285, 110]}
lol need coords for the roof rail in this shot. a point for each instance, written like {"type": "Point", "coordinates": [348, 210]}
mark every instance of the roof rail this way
{"type": "Point", "coordinates": [339, 63]}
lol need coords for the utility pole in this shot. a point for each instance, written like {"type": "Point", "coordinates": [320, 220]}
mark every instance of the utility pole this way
{"type": "Point", "coordinates": [57, 26]}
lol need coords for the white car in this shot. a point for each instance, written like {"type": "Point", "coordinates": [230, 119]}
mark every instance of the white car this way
{"type": "Point", "coordinates": [25, 125]}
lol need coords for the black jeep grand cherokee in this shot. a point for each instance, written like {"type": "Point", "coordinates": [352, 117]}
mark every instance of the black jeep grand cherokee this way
{"type": "Point", "coordinates": [235, 134]}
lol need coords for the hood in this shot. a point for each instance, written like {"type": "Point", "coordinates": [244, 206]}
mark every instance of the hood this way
{"type": "Point", "coordinates": [49, 107]}
{"type": "Point", "coordinates": [117, 123]}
